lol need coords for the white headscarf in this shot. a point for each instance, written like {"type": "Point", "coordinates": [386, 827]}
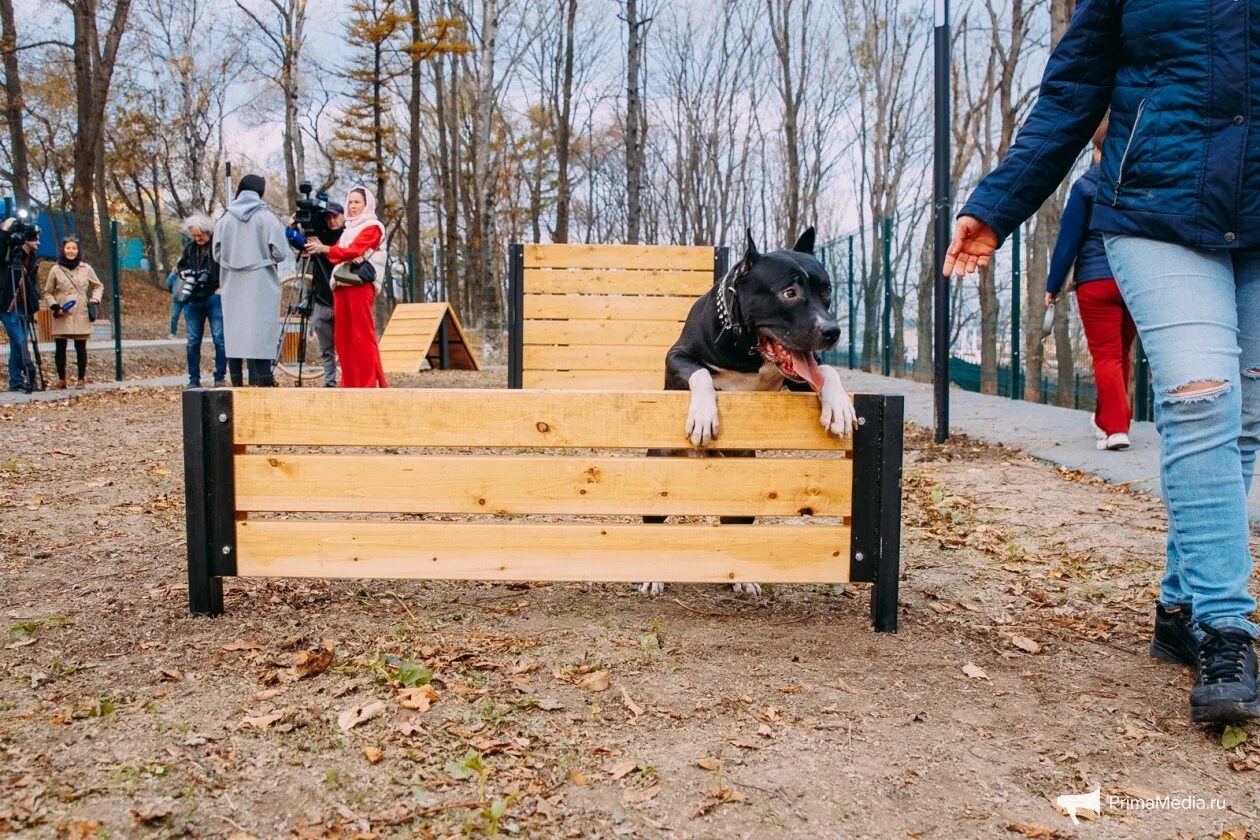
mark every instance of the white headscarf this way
{"type": "Point", "coordinates": [357, 224]}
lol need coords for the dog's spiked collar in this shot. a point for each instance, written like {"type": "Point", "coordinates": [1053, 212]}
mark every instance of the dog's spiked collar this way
{"type": "Point", "coordinates": [728, 302]}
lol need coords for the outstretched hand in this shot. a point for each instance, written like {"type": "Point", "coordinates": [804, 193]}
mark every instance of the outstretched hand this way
{"type": "Point", "coordinates": [971, 248]}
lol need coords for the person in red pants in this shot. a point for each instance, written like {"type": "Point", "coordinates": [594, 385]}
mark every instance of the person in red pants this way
{"type": "Point", "coordinates": [354, 328]}
{"type": "Point", "coordinates": [1109, 329]}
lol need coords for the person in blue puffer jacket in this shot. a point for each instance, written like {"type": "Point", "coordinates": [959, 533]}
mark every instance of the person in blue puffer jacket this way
{"type": "Point", "coordinates": [1109, 328]}
{"type": "Point", "coordinates": [1178, 203]}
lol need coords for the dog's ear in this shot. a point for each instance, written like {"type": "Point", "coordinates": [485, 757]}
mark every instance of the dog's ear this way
{"type": "Point", "coordinates": [806, 243]}
{"type": "Point", "coordinates": [750, 249]}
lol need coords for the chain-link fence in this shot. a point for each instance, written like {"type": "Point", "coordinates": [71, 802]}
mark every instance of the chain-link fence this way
{"type": "Point", "coordinates": [882, 293]}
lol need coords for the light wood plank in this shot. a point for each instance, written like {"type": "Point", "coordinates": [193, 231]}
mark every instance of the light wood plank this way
{"type": "Point", "coordinates": [612, 307]}
{"type": "Point", "coordinates": [419, 311]}
{"type": "Point", "coordinates": [543, 551]}
{"type": "Point", "coordinates": [619, 333]}
{"type": "Point", "coordinates": [525, 418]}
{"type": "Point", "coordinates": [407, 342]}
{"type": "Point", "coordinates": [607, 281]}
{"type": "Point", "coordinates": [508, 485]}
{"type": "Point", "coordinates": [594, 380]}
{"type": "Point", "coordinates": [675, 257]}
{"type": "Point", "coordinates": [630, 357]}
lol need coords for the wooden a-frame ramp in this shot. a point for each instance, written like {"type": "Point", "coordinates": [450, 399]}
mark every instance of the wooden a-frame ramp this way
{"type": "Point", "coordinates": [419, 331]}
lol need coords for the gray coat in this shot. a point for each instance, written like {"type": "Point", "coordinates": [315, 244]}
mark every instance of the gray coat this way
{"type": "Point", "coordinates": [248, 243]}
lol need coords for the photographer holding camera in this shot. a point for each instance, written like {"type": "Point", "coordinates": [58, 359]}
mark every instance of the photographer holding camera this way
{"type": "Point", "coordinates": [197, 291]}
{"type": "Point", "coordinates": [359, 260]}
{"type": "Point", "coordinates": [321, 220]}
{"type": "Point", "coordinates": [73, 292]}
{"type": "Point", "coordinates": [19, 297]}
{"type": "Point", "coordinates": [249, 243]}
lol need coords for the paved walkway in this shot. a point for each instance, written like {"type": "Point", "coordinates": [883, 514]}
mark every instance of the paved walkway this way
{"type": "Point", "coordinates": [1058, 435]}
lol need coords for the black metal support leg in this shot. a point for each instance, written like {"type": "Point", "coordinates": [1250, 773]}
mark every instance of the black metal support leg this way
{"type": "Point", "coordinates": [875, 554]}
{"type": "Point", "coordinates": [444, 344]}
{"type": "Point", "coordinates": [210, 497]}
{"type": "Point", "coordinates": [516, 319]}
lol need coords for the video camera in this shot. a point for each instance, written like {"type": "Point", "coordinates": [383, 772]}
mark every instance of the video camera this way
{"type": "Point", "coordinates": [312, 213]}
{"type": "Point", "coordinates": [21, 231]}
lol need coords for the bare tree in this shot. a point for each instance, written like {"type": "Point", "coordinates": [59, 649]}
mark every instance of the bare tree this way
{"type": "Point", "coordinates": [635, 122]}
{"type": "Point", "coordinates": [282, 36]}
{"type": "Point", "coordinates": [20, 174]}
{"type": "Point", "coordinates": [94, 61]}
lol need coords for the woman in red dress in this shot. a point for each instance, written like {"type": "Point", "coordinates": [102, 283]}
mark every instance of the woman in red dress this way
{"type": "Point", "coordinates": [354, 328]}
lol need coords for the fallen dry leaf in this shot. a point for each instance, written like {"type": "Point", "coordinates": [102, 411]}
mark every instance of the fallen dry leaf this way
{"type": "Point", "coordinates": [635, 708]}
{"type": "Point", "coordinates": [409, 727]}
{"type": "Point", "coordinates": [621, 769]}
{"type": "Point", "coordinates": [151, 815]}
{"type": "Point", "coordinates": [635, 796]}
{"type": "Point", "coordinates": [595, 681]}
{"type": "Point", "coordinates": [373, 755]}
{"type": "Point", "coordinates": [269, 694]}
{"type": "Point", "coordinates": [355, 715]}
{"type": "Point", "coordinates": [78, 829]}
{"type": "Point", "coordinates": [243, 644]}
{"type": "Point", "coordinates": [418, 698]}
{"type": "Point", "coordinates": [709, 763]}
{"type": "Point", "coordinates": [975, 672]}
{"type": "Point", "coordinates": [262, 721]}
{"type": "Point", "coordinates": [171, 674]}
{"type": "Point", "coordinates": [1026, 644]}
{"type": "Point", "coordinates": [1036, 831]}
{"type": "Point", "coordinates": [577, 778]}
{"type": "Point", "coordinates": [310, 663]}
{"type": "Point", "coordinates": [765, 731]}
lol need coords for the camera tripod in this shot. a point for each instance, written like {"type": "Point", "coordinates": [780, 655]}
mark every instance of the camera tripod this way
{"type": "Point", "coordinates": [295, 306]}
{"type": "Point", "coordinates": [29, 349]}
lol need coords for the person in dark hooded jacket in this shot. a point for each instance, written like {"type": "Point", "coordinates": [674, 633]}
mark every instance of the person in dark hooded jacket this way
{"type": "Point", "coordinates": [1178, 204]}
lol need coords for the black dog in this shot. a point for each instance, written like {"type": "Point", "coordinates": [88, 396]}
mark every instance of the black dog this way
{"type": "Point", "coordinates": [760, 328]}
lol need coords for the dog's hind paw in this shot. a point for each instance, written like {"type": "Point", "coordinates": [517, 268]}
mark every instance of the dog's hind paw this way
{"type": "Point", "coordinates": [652, 588]}
{"type": "Point", "coordinates": [753, 589]}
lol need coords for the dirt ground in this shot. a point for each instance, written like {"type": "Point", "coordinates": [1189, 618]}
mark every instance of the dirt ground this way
{"type": "Point", "coordinates": [1019, 673]}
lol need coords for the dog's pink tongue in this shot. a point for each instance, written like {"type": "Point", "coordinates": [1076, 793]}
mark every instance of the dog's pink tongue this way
{"type": "Point", "coordinates": [807, 369]}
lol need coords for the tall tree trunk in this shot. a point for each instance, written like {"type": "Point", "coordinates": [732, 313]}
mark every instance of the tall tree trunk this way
{"type": "Point", "coordinates": [564, 126]}
{"type": "Point", "coordinates": [924, 311]}
{"type": "Point", "coordinates": [411, 215]}
{"type": "Point", "coordinates": [93, 74]}
{"type": "Point", "coordinates": [483, 273]}
{"type": "Point", "coordinates": [634, 131]}
{"type": "Point", "coordinates": [13, 105]}
{"type": "Point", "coordinates": [989, 310]}
{"type": "Point", "coordinates": [781, 32]}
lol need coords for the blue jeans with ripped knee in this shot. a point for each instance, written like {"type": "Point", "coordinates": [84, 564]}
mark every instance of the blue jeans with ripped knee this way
{"type": "Point", "coordinates": [1198, 314]}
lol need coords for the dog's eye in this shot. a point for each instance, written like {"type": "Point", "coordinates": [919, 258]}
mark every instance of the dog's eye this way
{"type": "Point", "coordinates": [791, 293]}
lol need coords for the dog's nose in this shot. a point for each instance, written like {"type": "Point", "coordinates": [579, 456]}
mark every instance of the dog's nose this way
{"type": "Point", "coordinates": [831, 333]}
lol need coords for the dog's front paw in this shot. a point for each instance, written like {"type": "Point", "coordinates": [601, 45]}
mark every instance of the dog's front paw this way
{"type": "Point", "coordinates": [652, 588]}
{"type": "Point", "coordinates": [702, 414]}
{"type": "Point", "coordinates": [750, 589]}
{"type": "Point", "coordinates": [838, 416]}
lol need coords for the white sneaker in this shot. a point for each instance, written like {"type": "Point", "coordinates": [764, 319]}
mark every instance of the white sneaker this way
{"type": "Point", "coordinates": [171, 337]}
{"type": "Point", "coordinates": [1114, 442]}
{"type": "Point", "coordinates": [1099, 434]}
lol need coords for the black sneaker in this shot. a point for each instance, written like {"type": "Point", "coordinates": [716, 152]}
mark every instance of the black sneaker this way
{"type": "Point", "coordinates": [218, 383]}
{"type": "Point", "coordinates": [1176, 636]}
{"type": "Point", "coordinates": [1225, 688]}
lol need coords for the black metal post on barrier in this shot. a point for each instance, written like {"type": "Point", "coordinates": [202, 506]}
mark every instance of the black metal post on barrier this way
{"type": "Point", "coordinates": [852, 312]}
{"type": "Point", "coordinates": [941, 207]}
{"type": "Point", "coordinates": [516, 316]}
{"type": "Point", "coordinates": [1017, 393]}
{"type": "Point", "coordinates": [115, 264]}
{"type": "Point", "coordinates": [875, 543]}
{"type": "Point", "coordinates": [411, 277]}
{"type": "Point", "coordinates": [886, 235]}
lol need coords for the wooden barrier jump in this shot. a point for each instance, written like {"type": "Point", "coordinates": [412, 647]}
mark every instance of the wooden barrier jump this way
{"type": "Point", "coordinates": [420, 331]}
{"type": "Point", "coordinates": [297, 483]}
{"type": "Point", "coordinates": [601, 316]}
